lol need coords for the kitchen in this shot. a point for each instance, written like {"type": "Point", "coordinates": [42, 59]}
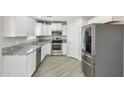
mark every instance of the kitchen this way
{"type": "Point", "coordinates": [51, 46]}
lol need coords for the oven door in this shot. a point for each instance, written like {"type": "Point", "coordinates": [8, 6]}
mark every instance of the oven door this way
{"type": "Point", "coordinates": [56, 49]}
{"type": "Point", "coordinates": [56, 46]}
{"type": "Point", "coordinates": [88, 68]}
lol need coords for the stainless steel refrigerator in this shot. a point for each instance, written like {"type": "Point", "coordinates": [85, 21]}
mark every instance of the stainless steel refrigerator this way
{"type": "Point", "coordinates": [102, 50]}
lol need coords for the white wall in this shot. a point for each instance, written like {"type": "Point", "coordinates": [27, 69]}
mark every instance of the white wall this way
{"type": "Point", "coordinates": [6, 42]}
{"type": "Point", "coordinates": [74, 27]}
{"type": "Point", "coordinates": [0, 45]}
{"type": "Point", "coordinates": [123, 53]}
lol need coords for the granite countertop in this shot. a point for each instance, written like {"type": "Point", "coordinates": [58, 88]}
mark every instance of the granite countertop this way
{"type": "Point", "coordinates": [22, 49]}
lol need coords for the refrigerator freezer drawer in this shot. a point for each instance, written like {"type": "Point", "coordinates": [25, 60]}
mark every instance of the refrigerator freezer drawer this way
{"type": "Point", "coordinates": [88, 69]}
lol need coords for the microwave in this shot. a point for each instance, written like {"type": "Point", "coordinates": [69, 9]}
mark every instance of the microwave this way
{"type": "Point", "coordinates": [56, 33]}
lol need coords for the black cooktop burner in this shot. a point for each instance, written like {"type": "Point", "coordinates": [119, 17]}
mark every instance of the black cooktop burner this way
{"type": "Point", "coordinates": [56, 41]}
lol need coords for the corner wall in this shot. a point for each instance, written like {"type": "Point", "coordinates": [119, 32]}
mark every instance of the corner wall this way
{"type": "Point", "coordinates": [0, 45]}
{"type": "Point", "coordinates": [74, 36]}
{"type": "Point", "coordinates": [123, 52]}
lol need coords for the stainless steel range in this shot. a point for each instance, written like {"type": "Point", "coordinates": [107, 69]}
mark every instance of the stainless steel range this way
{"type": "Point", "coordinates": [56, 46]}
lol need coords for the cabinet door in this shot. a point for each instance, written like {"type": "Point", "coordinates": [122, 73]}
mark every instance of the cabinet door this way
{"type": "Point", "coordinates": [20, 26]}
{"type": "Point", "coordinates": [44, 30]}
{"type": "Point", "coordinates": [49, 30]}
{"type": "Point", "coordinates": [43, 52]}
{"type": "Point", "coordinates": [64, 48]}
{"type": "Point", "coordinates": [48, 48]}
{"type": "Point", "coordinates": [59, 26]}
{"type": "Point", "coordinates": [64, 30]}
{"type": "Point", "coordinates": [35, 27]}
{"type": "Point", "coordinates": [14, 66]}
{"type": "Point", "coordinates": [56, 26]}
{"type": "Point", "coordinates": [30, 27]}
{"type": "Point", "coordinates": [31, 63]}
{"type": "Point", "coordinates": [38, 30]}
{"type": "Point", "coordinates": [8, 26]}
{"type": "Point", "coordinates": [14, 26]}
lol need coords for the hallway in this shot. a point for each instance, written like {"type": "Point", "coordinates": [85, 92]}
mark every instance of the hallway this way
{"type": "Point", "coordinates": [59, 66]}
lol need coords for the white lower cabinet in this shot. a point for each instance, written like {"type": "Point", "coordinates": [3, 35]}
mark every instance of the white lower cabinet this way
{"type": "Point", "coordinates": [48, 48]}
{"type": "Point", "coordinates": [19, 66]}
{"type": "Point", "coordinates": [45, 50]}
{"type": "Point", "coordinates": [14, 66]}
{"type": "Point", "coordinates": [64, 48]}
{"type": "Point", "coordinates": [31, 63]}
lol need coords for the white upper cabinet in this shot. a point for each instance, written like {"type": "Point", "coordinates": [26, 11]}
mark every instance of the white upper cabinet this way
{"type": "Point", "coordinates": [43, 29]}
{"type": "Point", "coordinates": [57, 26]}
{"type": "Point", "coordinates": [64, 30]}
{"type": "Point", "coordinates": [46, 30]}
{"type": "Point", "coordinates": [18, 26]}
{"type": "Point", "coordinates": [14, 26]}
{"type": "Point", "coordinates": [106, 19]}
{"type": "Point", "coordinates": [38, 29]}
{"type": "Point", "coordinates": [30, 26]}
{"type": "Point", "coordinates": [49, 29]}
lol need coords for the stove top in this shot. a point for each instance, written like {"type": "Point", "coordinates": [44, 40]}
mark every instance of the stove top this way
{"type": "Point", "coordinates": [56, 41]}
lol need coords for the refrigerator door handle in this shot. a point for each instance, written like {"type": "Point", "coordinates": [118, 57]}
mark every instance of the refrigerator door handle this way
{"type": "Point", "coordinates": [88, 63]}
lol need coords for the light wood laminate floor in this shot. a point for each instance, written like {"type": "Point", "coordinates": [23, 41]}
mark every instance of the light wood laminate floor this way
{"type": "Point", "coordinates": [59, 66]}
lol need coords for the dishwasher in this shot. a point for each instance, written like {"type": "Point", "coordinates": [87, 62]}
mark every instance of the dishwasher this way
{"type": "Point", "coordinates": [38, 57]}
